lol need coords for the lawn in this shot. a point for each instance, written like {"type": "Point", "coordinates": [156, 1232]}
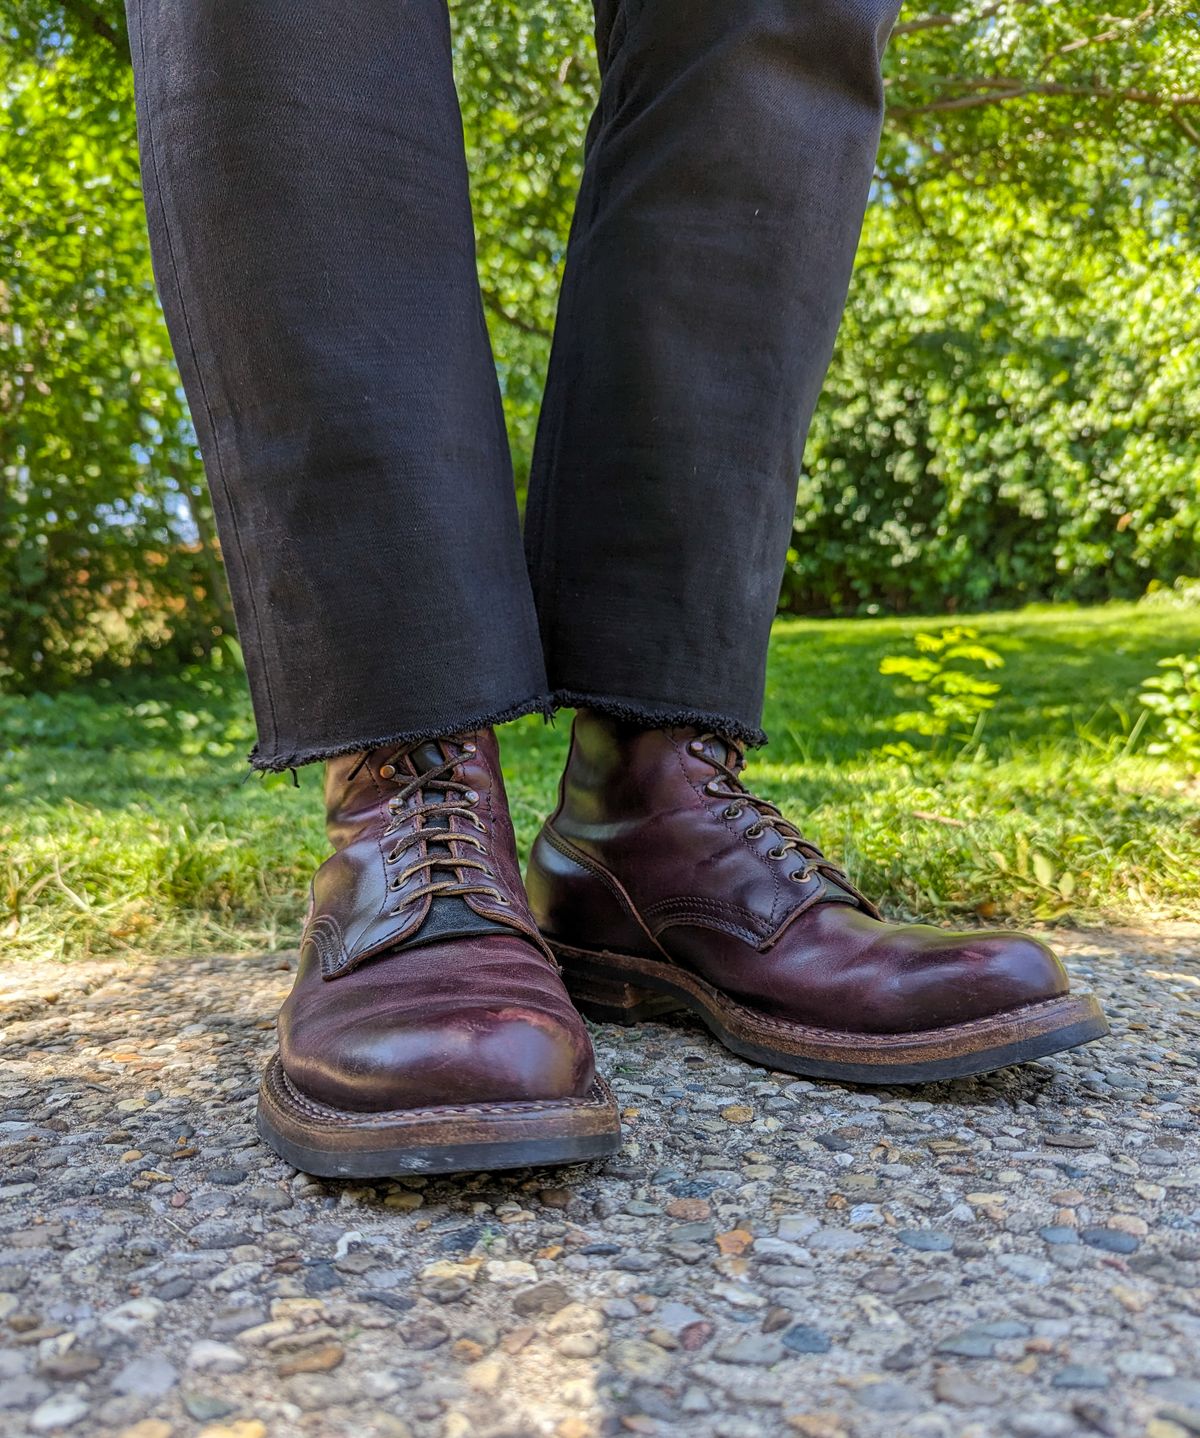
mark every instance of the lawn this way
{"type": "Point", "coordinates": [127, 823]}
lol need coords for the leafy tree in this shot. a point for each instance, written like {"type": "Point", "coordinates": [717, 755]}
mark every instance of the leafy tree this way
{"type": "Point", "coordinates": [1011, 412]}
{"type": "Point", "coordinates": [101, 487]}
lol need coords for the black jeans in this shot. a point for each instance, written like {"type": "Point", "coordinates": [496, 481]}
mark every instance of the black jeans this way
{"type": "Point", "coordinates": [311, 230]}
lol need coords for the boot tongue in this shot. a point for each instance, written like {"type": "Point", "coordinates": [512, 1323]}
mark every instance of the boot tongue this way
{"type": "Point", "coordinates": [427, 756]}
{"type": "Point", "coordinates": [450, 916]}
{"type": "Point", "coordinates": [833, 893]}
{"type": "Point", "coordinates": [723, 750]}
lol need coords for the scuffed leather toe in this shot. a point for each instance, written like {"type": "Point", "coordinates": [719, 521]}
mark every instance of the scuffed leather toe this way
{"type": "Point", "coordinates": [915, 977]}
{"type": "Point", "coordinates": [485, 1021]}
{"type": "Point", "coordinates": [837, 968]}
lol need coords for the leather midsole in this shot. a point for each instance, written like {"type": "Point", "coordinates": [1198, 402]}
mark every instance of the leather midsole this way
{"type": "Point", "coordinates": [790, 1035]}
{"type": "Point", "coordinates": [304, 1120]}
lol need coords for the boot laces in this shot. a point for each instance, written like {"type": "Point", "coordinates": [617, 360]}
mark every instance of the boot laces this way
{"type": "Point", "coordinates": [442, 799]}
{"type": "Point", "coordinates": [768, 818]}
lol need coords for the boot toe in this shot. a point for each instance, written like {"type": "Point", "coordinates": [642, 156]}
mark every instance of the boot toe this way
{"type": "Point", "coordinates": [955, 978]}
{"type": "Point", "coordinates": [492, 1026]}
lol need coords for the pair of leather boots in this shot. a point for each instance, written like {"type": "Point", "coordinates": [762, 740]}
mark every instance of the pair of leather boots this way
{"type": "Point", "coordinates": [435, 1020]}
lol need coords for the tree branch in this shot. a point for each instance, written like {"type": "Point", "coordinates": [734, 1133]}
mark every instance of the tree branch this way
{"type": "Point", "coordinates": [526, 327]}
{"type": "Point", "coordinates": [1018, 91]}
{"type": "Point", "coordinates": [1193, 135]}
{"type": "Point", "coordinates": [937, 21]}
{"type": "Point", "coordinates": [97, 25]}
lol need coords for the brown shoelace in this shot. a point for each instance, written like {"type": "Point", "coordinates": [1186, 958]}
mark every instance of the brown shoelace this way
{"type": "Point", "coordinates": [768, 817]}
{"type": "Point", "coordinates": [441, 841]}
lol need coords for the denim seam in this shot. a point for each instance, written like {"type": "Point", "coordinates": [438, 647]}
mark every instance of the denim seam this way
{"type": "Point", "coordinates": [652, 715]}
{"type": "Point", "coordinates": [276, 763]}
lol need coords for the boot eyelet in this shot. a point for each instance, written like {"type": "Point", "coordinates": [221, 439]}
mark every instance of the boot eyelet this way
{"type": "Point", "coordinates": [754, 831]}
{"type": "Point", "coordinates": [395, 886]}
{"type": "Point", "coordinates": [711, 788]}
{"type": "Point", "coordinates": [696, 747]}
{"type": "Point", "coordinates": [469, 748]}
{"type": "Point", "coordinates": [731, 811]}
{"type": "Point", "coordinates": [800, 876]}
{"type": "Point", "coordinates": [392, 858]}
{"type": "Point", "coordinates": [471, 796]}
{"type": "Point", "coordinates": [776, 853]}
{"type": "Point", "coordinates": [387, 771]}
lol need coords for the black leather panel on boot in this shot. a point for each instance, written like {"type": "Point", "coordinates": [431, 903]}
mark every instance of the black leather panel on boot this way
{"type": "Point", "coordinates": [450, 916]}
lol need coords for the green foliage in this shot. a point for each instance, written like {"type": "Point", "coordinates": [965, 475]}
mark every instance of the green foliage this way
{"type": "Point", "coordinates": [1174, 698]}
{"type": "Point", "coordinates": [1049, 890]}
{"type": "Point", "coordinates": [1014, 406]}
{"type": "Point", "coordinates": [127, 822]}
{"type": "Point", "coordinates": [1013, 411]}
{"type": "Point", "coordinates": [527, 81]}
{"type": "Point", "coordinates": [943, 676]}
{"type": "Point", "coordinates": [1183, 594]}
{"type": "Point", "coordinates": [100, 484]}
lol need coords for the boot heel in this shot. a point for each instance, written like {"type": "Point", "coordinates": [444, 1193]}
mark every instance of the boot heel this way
{"type": "Point", "coordinates": [612, 1001]}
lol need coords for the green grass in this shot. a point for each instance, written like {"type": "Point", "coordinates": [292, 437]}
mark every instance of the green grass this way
{"type": "Point", "coordinates": [125, 824]}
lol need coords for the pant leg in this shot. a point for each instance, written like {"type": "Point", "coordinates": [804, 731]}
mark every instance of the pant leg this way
{"type": "Point", "coordinates": [306, 190]}
{"type": "Point", "coordinates": [727, 169]}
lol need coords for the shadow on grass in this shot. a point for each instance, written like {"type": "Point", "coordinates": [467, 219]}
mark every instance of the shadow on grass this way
{"type": "Point", "coordinates": [1064, 671]}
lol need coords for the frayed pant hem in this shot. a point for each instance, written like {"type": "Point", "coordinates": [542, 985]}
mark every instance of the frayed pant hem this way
{"type": "Point", "coordinates": [661, 716]}
{"type": "Point", "coordinates": [542, 704]}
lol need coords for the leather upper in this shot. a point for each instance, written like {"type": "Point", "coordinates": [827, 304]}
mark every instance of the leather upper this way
{"type": "Point", "coordinates": [655, 849]}
{"type": "Point", "coordinates": [422, 978]}
{"type": "Point", "coordinates": [374, 892]}
{"type": "Point", "coordinates": [461, 1021]}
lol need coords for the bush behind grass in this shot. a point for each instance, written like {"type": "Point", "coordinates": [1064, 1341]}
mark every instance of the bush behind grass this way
{"type": "Point", "coordinates": [127, 823]}
{"type": "Point", "coordinates": [1012, 411]}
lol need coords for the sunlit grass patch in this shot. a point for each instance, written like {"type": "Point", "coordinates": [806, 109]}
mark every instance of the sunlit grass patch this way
{"type": "Point", "coordinates": [127, 822]}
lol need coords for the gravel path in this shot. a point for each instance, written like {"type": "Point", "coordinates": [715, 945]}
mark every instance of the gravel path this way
{"type": "Point", "coordinates": [1015, 1256]}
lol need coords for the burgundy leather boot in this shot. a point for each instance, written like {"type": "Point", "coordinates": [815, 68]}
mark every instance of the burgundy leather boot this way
{"type": "Point", "coordinates": [661, 883]}
{"type": "Point", "coordinates": [428, 1029]}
